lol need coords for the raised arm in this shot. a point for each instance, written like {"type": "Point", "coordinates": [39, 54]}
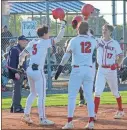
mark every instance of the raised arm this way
{"type": "Point", "coordinates": [61, 32]}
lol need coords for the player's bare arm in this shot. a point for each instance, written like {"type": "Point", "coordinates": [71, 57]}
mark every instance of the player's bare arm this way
{"type": "Point", "coordinates": [59, 14]}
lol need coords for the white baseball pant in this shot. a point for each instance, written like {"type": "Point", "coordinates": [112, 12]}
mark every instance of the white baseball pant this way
{"type": "Point", "coordinates": [103, 75]}
{"type": "Point", "coordinates": [78, 76]}
{"type": "Point", "coordinates": [37, 83]}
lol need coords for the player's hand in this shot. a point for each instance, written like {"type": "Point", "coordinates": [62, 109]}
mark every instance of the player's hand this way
{"type": "Point", "coordinates": [114, 66]}
{"type": "Point", "coordinates": [17, 76]}
{"type": "Point", "coordinates": [63, 23]}
{"type": "Point", "coordinates": [59, 70]}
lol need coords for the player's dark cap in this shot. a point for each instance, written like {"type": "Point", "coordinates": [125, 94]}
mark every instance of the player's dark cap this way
{"type": "Point", "coordinates": [22, 38]}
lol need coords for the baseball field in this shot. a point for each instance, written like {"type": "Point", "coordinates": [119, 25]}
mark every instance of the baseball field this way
{"type": "Point", "coordinates": [56, 110]}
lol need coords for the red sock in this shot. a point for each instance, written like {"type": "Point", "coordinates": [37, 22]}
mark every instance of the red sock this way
{"type": "Point", "coordinates": [69, 119]}
{"type": "Point", "coordinates": [97, 103]}
{"type": "Point", "coordinates": [119, 102]}
{"type": "Point", "coordinates": [91, 119]}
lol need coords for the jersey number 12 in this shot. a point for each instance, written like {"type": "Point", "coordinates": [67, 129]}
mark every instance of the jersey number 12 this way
{"type": "Point", "coordinates": [34, 49]}
{"type": "Point", "coordinates": [85, 47]}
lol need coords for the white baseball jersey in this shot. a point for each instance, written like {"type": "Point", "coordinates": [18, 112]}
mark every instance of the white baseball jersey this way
{"type": "Point", "coordinates": [82, 47]}
{"type": "Point", "coordinates": [107, 52]}
{"type": "Point", "coordinates": [38, 51]}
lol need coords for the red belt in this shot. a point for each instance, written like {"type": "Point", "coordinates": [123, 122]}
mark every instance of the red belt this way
{"type": "Point", "coordinates": [106, 66]}
{"type": "Point", "coordinates": [77, 66]}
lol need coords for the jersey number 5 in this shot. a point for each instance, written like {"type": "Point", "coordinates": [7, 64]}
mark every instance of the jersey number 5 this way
{"type": "Point", "coordinates": [34, 49]}
{"type": "Point", "coordinates": [85, 47]}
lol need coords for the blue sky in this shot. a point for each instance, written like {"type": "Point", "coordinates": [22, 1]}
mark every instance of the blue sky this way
{"type": "Point", "coordinates": [106, 7]}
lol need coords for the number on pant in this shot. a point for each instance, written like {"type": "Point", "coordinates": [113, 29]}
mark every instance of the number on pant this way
{"type": "Point", "coordinates": [109, 55]}
{"type": "Point", "coordinates": [34, 49]}
{"type": "Point", "coordinates": [85, 47]}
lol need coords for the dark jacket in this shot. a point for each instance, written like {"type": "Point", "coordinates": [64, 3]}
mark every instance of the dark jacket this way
{"type": "Point", "coordinates": [13, 60]}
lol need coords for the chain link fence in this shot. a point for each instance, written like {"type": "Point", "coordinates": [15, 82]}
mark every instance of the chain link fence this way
{"type": "Point", "coordinates": [95, 24]}
{"type": "Point", "coordinates": [55, 60]}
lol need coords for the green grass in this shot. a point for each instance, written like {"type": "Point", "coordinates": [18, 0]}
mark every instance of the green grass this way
{"type": "Point", "coordinates": [62, 100]}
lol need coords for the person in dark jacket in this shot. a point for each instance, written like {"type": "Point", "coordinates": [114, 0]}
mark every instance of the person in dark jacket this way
{"type": "Point", "coordinates": [13, 61]}
{"type": "Point", "coordinates": [6, 36]}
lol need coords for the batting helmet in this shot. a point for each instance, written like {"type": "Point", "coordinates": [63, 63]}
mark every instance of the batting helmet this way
{"type": "Point", "coordinates": [58, 13]}
{"type": "Point", "coordinates": [87, 10]}
{"type": "Point", "coordinates": [76, 20]}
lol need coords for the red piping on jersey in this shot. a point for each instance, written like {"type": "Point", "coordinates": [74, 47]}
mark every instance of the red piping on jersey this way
{"type": "Point", "coordinates": [103, 51]}
{"type": "Point", "coordinates": [121, 54]}
{"type": "Point", "coordinates": [43, 95]}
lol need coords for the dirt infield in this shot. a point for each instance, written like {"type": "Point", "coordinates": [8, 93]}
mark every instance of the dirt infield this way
{"type": "Point", "coordinates": [59, 116]}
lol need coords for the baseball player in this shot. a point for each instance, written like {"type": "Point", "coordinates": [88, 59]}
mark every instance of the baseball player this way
{"type": "Point", "coordinates": [76, 20]}
{"type": "Point", "coordinates": [109, 57]}
{"type": "Point", "coordinates": [37, 49]}
{"type": "Point", "coordinates": [81, 47]}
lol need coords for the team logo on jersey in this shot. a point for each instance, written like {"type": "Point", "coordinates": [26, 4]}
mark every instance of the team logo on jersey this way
{"type": "Point", "coordinates": [109, 48]}
{"type": "Point", "coordinates": [106, 47]}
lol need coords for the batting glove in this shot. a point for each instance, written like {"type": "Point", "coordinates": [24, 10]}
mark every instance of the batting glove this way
{"type": "Point", "coordinates": [59, 70]}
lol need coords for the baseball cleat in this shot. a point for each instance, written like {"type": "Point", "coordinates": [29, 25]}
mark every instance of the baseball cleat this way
{"type": "Point", "coordinates": [68, 125]}
{"type": "Point", "coordinates": [90, 125]}
{"type": "Point", "coordinates": [119, 115]}
{"type": "Point", "coordinates": [46, 122]}
{"type": "Point", "coordinates": [26, 118]}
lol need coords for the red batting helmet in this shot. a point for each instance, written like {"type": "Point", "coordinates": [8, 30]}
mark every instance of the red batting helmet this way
{"type": "Point", "coordinates": [87, 10]}
{"type": "Point", "coordinates": [58, 13]}
{"type": "Point", "coordinates": [76, 20]}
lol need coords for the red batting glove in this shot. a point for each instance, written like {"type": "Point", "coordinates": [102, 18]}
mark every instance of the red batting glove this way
{"type": "Point", "coordinates": [114, 66]}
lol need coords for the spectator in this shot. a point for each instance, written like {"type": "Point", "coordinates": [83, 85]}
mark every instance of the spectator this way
{"type": "Point", "coordinates": [122, 44]}
{"type": "Point", "coordinates": [13, 61]}
{"type": "Point", "coordinates": [6, 36]}
{"type": "Point", "coordinates": [4, 71]}
{"type": "Point", "coordinates": [12, 42]}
